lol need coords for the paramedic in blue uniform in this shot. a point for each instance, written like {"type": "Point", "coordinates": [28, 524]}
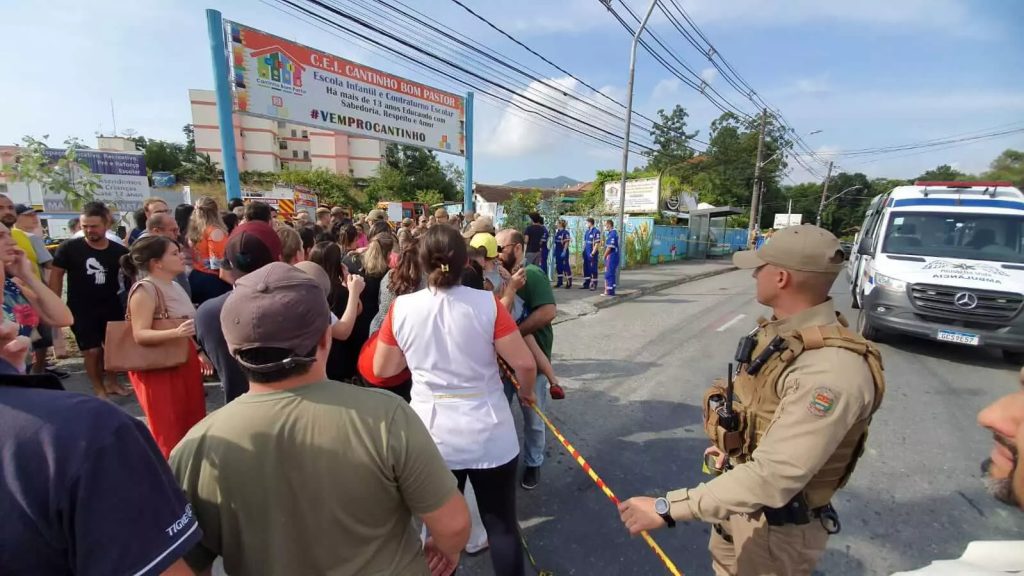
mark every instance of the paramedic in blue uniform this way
{"type": "Point", "coordinates": [591, 240]}
{"type": "Point", "coordinates": [562, 267]}
{"type": "Point", "coordinates": [611, 257]}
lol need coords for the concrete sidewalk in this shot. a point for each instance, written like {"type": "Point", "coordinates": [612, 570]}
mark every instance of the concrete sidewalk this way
{"type": "Point", "coordinates": [633, 284]}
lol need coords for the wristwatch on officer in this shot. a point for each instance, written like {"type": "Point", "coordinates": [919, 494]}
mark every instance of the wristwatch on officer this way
{"type": "Point", "coordinates": [662, 507]}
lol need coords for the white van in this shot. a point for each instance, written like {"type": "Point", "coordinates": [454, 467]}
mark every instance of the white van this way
{"type": "Point", "coordinates": [944, 261]}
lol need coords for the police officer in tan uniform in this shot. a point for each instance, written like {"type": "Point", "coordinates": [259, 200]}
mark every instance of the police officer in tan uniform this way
{"type": "Point", "coordinates": [804, 394]}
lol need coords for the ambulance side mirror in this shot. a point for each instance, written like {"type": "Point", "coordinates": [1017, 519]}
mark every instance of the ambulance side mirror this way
{"type": "Point", "coordinates": [865, 248]}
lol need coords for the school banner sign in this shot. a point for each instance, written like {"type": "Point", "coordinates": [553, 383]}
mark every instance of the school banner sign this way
{"type": "Point", "coordinates": [122, 178]}
{"type": "Point", "coordinates": [278, 79]}
{"type": "Point", "coordinates": [641, 195]}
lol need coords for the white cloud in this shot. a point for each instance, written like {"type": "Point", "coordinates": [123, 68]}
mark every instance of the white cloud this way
{"type": "Point", "coordinates": [814, 85]}
{"type": "Point", "coordinates": [666, 88]}
{"type": "Point", "coordinates": [709, 75]}
{"type": "Point", "coordinates": [518, 133]}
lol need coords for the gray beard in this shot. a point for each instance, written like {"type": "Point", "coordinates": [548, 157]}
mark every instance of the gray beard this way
{"type": "Point", "coordinates": [1000, 489]}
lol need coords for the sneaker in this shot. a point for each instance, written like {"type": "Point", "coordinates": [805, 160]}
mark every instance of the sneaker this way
{"type": "Point", "coordinates": [557, 392]}
{"type": "Point", "coordinates": [531, 477]}
{"type": "Point", "coordinates": [61, 374]}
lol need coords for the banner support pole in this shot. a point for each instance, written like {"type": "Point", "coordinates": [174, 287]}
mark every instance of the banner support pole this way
{"type": "Point", "coordinates": [221, 82]}
{"type": "Point", "coordinates": [467, 191]}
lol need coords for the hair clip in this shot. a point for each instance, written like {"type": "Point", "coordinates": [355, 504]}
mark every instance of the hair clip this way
{"type": "Point", "coordinates": [444, 267]}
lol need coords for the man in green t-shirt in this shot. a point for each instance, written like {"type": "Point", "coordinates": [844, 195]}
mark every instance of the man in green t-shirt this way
{"type": "Point", "coordinates": [538, 312]}
{"type": "Point", "coordinates": [303, 475]}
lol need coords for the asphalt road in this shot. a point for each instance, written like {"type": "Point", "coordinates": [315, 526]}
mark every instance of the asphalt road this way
{"type": "Point", "coordinates": [634, 375]}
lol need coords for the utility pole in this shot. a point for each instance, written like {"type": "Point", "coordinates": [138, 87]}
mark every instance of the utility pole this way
{"type": "Point", "coordinates": [755, 196]}
{"type": "Point", "coordinates": [760, 201]}
{"type": "Point", "coordinates": [824, 193]}
{"type": "Point", "coordinates": [625, 141]}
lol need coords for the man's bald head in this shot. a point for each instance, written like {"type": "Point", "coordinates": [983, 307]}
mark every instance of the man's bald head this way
{"type": "Point", "coordinates": [163, 224]}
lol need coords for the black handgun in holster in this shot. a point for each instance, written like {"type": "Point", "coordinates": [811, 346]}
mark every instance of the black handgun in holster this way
{"type": "Point", "coordinates": [797, 512]}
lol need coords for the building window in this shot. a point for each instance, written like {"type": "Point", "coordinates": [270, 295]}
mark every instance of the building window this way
{"type": "Point", "coordinates": [293, 133]}
{"type": "Point", "coordinates": [282, 124]}
{"type": "Point", "coordinates": [305, 134]}
{"type": "Point", "coordinates": [305, 154]}
{"type": "Point", "coordinates": [295, 153]}
{"type": "Point", "coordinates": [282, 145]}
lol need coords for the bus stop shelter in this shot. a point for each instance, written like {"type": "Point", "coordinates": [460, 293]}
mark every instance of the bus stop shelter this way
{"type": "Point", "coordinates": [707, 231]}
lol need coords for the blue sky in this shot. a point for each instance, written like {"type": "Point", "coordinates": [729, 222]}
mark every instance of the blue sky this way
{"type": "Point", "coordinates": [866, 73]}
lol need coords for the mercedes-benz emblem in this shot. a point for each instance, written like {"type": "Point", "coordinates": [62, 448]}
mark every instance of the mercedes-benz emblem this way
{"type": "Point", "coordinates": [965, 300]}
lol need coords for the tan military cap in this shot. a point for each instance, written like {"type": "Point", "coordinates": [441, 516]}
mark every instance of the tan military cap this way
{"type": "Point", "coordinates": [805, 248]}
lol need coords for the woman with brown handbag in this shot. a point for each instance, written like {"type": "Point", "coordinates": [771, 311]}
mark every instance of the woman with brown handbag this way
{"type": "Point", "coordinates": [172, 398]}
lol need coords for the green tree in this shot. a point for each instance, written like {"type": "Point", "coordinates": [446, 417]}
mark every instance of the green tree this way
{"type": "Point", "coordinates": [671, 141]}
{"type": "Point", "coordinates": [66, 176]}
{"type": "Point", "coordinates": [1007, 166]}
{"type": "Point", "coordinates": [429, 197]}
{"type": "Point", "coordinates": [944, 173]}
{"type": "Point", "coordinates": [189, 153]}
{"type": "Point", "coordinates": [407, 169]}
{"type": "Point", "coordinates": [163, 156]}
{"type": "Point", "coordinates": [725, 177]}
{"type": "Point", "coordinates": [519, 207]}
{"type": "Point", "coordinates": [331, 188]}
{"type": "Point", "coordinates": [258, 178]}
{"type": "Point", "coordinates": [201, 171]}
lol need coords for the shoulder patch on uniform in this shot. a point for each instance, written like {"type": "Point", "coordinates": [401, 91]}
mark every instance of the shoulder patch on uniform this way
{"type": "Point", "coordinates": [823, 400]}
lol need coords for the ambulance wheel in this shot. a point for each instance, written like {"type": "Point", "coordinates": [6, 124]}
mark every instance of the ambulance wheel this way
{"type": "Point", "coordinates": [866, 329]}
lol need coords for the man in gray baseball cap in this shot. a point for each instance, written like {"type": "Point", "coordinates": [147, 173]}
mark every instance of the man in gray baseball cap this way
{"type": "Point", "coordinates": [301, 450]}
{"type": "Point", "coordinates": [803, 248]}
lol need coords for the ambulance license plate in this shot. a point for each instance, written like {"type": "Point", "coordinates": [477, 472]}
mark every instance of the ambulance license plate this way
{"type": "Point", "coordinates": [959, 337]}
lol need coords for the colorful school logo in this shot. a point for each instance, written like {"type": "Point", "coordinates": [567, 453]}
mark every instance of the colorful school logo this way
{"type": "Point", "coordinates": [276, 66]}
{"type": "Point", "coordinates": [823, 400]}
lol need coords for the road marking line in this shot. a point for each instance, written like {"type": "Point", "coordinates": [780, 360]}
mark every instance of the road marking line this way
{"type": "Point", "coordinates": [726, 326]}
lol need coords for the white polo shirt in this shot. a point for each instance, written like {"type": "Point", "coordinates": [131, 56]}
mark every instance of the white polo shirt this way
{"type": "Point", "coordinates": [448, 337]}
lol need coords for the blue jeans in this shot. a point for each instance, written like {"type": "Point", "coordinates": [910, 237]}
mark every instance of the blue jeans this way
{"type": "Point", "coordinates": [533, 427]}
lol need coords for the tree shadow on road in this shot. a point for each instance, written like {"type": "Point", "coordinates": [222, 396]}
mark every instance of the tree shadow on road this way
{"type": "Point", "coordinates": [589, 370]}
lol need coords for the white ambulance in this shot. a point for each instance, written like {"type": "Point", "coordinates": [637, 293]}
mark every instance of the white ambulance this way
{"type": "Point", "coordinates": [944, 261]}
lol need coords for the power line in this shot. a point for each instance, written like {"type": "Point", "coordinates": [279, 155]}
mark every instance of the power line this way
{"type": "Point", "coordinates": [702, 87]}
{"type": "Point", "coordinates": [500, 104]}
{"type": "Point", "coordinates": [928, 143]}
{"type": "Point", "coordinates": [547, 93]}
{"type": "Point", "coordinates": [493, 26]}
{"type": "Point", "coordinates": [458, 80]}
{"type": "Point", "coordinates": [412, 46]}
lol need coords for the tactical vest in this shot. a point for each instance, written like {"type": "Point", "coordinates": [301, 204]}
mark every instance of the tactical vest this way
{"type": "Point", "coordinates": [756, 400]}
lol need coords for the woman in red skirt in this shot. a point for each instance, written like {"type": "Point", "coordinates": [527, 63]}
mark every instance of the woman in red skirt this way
{"type": "Point", "coordinates": [171, 398]}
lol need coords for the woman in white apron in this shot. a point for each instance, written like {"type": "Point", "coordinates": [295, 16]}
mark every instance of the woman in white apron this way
{"type": "Point", "coordinates": [449, 336]}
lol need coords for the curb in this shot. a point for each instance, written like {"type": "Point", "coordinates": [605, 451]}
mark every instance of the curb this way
{"type": "Point", "coordinates": [601, 302]}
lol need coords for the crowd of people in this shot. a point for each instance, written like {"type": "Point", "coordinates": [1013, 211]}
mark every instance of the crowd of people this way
{"type": "Point", "coordinates": [359, 364]}
{"type": "Point", "coordinates": [363, 396]}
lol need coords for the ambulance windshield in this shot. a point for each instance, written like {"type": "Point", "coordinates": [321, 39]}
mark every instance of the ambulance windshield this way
{"type": "Point", "coordinates": [990, 237]}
